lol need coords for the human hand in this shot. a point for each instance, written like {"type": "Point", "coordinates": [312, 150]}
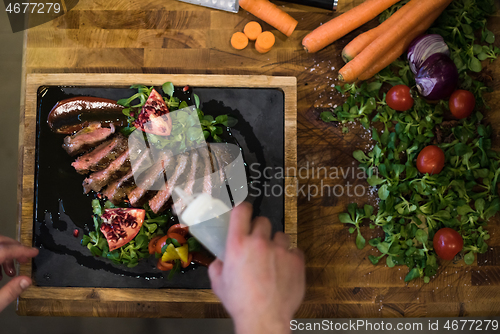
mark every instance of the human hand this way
{"type": "Point", "coordinates": [261, 282]}
{"type": "Point", "coordinates": [11, 250]}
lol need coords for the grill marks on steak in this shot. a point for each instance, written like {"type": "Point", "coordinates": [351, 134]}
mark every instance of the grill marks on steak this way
{"type": "Point", "coordinates": [118, 189]}
{"type": "Point", "coordinates": [191, 178]}
{"type": "Point", "coordinates": [152, 175]}
{"type": "Point", "coordinates": [159, 201]}
{"type": "Point", "coordinates": [87, 138]}
{"type": "Point", "coordinates": [101, 156]}
{"type": "Point", "coordinates": [116, 168]}
{"type": "Point", "coordinates": [200, 170]}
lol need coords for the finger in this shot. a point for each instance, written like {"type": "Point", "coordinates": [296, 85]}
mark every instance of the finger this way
{"type": "Point", "coordinates": [215, 272]}
{"type": "Point", "coordinates": [298, 253]}
{"type": "Point", "coordinates": [7, 240]}
{"type": "Point", "coordinates": [11, 252]}
{"type": "Point", "coordinates": [262, 227]}
{"type": "Point", "coordinates": [240, 222]}
{"type": "Point", "coordinates": [12, 290]}
{"type": "Point", "coordinates": [281, 240]}
{"type": "Point", "coordinates": [9, 269]}
{"type": "Point", "coordinates": [23, 259]}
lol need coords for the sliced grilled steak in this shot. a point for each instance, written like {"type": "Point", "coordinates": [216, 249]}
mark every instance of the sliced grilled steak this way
{"type": "Point", "coordinates": [157, 203]}
{"type": "Point", "coordinates": [223, 157]}
{"type": "Point", "coordinates": [101, 156]}
{"type": "Point", "coordinates": [87, 138]}
{"type": "Point", "coordinates": [118, 189]}
{"type": "Point", "coordinates": [191, 178]}
{"type": "Point", "coordinates": [151, 176]}
{"type": "Point", "coordinates": [96, 181]}
{"type": "Point", "coordinates": [207, 171]}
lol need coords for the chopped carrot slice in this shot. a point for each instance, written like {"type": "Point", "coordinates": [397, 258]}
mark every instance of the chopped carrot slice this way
{"type": "Point", "coordinates": [252, 30]}
{"type": "Point", "coordinates": [260, 50]}
{"type": "Point", "coordinates": [265, 42]}
{"type": "Point", "coordinates": [239, 40]}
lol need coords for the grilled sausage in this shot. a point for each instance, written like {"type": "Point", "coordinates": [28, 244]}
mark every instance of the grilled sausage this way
{"type": "Point", "coordinates": [71, 115]}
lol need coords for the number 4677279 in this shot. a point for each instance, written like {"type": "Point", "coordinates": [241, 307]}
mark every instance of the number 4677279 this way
{"type": "Point", "coordinates": [33, 7]}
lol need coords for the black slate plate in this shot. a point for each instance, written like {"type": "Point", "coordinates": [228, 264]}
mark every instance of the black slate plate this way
{"type": "Point", "coordinates": [61, 206]}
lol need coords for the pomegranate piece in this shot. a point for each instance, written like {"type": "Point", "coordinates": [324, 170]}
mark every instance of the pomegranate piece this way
{"type": "Point", "coordinates": [154, 117]}
{"type": "Point", "coordinates": [120, 225]}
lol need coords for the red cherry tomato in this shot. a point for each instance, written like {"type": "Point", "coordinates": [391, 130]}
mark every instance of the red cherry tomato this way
{"type": "Point", "coordinates": [462, 103]}
{"type": "Point", "coordinates": [447, 243]}
{"type": "Point", "coordinates": [164, 266]}
{"type": "Point", "coordinates": [430, 160]}
{"type": "Point", "coordinates": [177, 228]}
{"type": "Point", "coordinates": [177, 237]}
{"type": "Point", "coordinates": [152, 244]}
{"type": "Point", "coordinates": [160, 243]}
{"type": "Point", "coordinates": [399, 98]}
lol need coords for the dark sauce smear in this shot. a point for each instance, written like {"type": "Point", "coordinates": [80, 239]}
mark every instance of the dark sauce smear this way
{"type": "Point", "coordinates": [61, 206]}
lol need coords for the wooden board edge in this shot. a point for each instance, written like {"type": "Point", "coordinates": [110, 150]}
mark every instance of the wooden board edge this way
{"type": "Point", "coordinates": [25, 226]}
{"type": "Point", "coordinates": [125, 80]}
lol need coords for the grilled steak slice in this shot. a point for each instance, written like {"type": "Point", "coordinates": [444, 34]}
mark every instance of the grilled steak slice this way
{"type": "Point", "coordinates": [191, 178]}
{"type": "Point", "coordinates": [152, 175]}
{"type": "Point", "coordinates": [207, 171]}
{"type": "Point", "coordinates": [223, 157]}
{"type": "Point", "coordinates": [157, 203]}
{"type": "Point", "coordinates": [118, 189]}
{"type": "Point", "coordinates": [101, 156]}
{"type": "Point", "coordinates": [87, 138]}
{"type": "Point", "coordinates": [117, 168]}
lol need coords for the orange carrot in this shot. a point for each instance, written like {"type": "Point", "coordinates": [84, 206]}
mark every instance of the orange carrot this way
{"type": "Point", "coordinates": [265, 42]}
{"type": "Point", "coordinates": [239, 40]}
{"type": "Point", "coordinates": [341, 25]}
{"type": "Point", "coordinates": [381, 46]}
{"type": "Point", "coordinates": [252, 30]}
{"type": "Point", "coordinates": [271, 14]}
{"type": "Point", "coordinates": [401, 46]}
{"type": "Point", "coordinates": [357, 45]}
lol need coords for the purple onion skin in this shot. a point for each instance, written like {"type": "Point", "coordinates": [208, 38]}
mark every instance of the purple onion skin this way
{"type": "Point", "coordinates": [423, 47]}
{"type": "Point", "coordinates": [437, 78]}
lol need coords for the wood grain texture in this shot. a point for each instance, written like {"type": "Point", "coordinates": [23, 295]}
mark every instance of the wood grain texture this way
{"type": "Point", "coordinates": [70, 301]}
{"type": "Point", "coordinates": [170, 37]}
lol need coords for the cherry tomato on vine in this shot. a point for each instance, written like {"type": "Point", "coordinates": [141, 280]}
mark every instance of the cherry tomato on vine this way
{"type": "Point", "coordinates": [430, 160]}
{"type": "Point", "coordinates": [447, 243]}
{"type": "Point", "coordinates": [399, 98]}
{"type": "Point", "coordinates": [462, 103]}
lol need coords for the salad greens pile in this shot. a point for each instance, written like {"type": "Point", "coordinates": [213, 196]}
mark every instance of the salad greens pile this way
{"type": "Point", "coordinates": [183, 124]}
{"type": "Point", "coordinates": [137, 248]}
{"type": "Point", "coordinates": [413, 206]}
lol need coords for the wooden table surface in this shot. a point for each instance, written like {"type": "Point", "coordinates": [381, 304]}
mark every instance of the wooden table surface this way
{"type": "Point", "coordinates": [167, 36]}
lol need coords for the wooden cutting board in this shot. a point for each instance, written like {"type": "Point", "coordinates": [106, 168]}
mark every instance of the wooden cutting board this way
{"type": "Point", "coordinates": [165, 36]}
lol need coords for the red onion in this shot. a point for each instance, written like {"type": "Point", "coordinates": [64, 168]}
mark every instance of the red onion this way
{"type": "Point", "coordinates": [423, 47]}
{"type": "Point", "coordinates": [437, 78]}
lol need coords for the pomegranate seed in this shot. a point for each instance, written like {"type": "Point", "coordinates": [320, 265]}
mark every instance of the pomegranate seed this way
{"type": "Point", "coordinates": [186, 88]}
{"type": "Point", "coordinates": [76, 232]}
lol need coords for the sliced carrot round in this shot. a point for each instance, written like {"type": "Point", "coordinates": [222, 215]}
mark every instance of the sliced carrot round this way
{"type": "Point", "coordinates": [252, 30]}
{"type": "Point", "coordinates": [239, 40]}
{"type": "Point", "coordinates": [265, 41]}
{"type": "Point", "coordinates": [261, 50]}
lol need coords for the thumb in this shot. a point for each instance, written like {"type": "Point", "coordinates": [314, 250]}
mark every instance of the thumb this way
{"type": "Point", "coordinates": [215, 272]}
{"type": "Point", "coordinates": [12, 290]}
